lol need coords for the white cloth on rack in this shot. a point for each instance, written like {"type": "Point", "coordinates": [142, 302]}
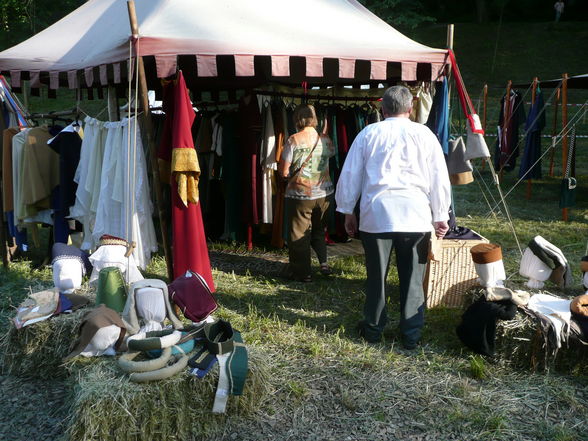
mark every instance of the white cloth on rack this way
{"type": "Point", "coordinates": [17, 153]}
{"type": "Point", "coordinates": [124, 205]}
{"type": "Point", "coordinates": [267, 159]}
{"type": "Point", "coordinates": [87, 177]}
{"type": "Point", "coordinates": [217, 136]}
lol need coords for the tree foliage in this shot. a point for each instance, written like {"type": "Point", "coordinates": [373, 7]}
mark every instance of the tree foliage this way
{"type": "Point", "coordinates": [400, 13]}
{"type": "Point", "coordinates": [20, 19]}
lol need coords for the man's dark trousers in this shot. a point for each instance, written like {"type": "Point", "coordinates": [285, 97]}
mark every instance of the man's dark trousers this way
{"type": "Point", "coordinates": [411, 261]}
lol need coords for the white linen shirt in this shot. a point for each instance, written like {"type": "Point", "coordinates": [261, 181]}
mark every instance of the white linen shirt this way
{"type": "Point", "coordinates": [398, 169]}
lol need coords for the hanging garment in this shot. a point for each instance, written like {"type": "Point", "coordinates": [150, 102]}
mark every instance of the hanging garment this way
{"type": "Point", "coordinates": [67, 144]}
{"type": "Point", "coordinates": [250, 126]}
{"type": "Point", "coordinates": [268, 163]}
{"type": "Point", "coordinates": [231, 176]}
{"type": "Point", "coordinates": [7, 195]}
{"type": "Point", "coordinates": [87, 176]}
{"type": "Point", "coordinates": [438, 119]}
{"type": "Point", "coordinates": [40, 172]}
{"type": "Point", "coordinates": [507, 144]}
{"type": "Point", "coordinates": [530, 161]}
{"type": "Point", "coordinates": [190, 251]}
{"type": "Point", "coordinates": [124, 205]}
{"type": "Point", "coordinates": [280, 121]}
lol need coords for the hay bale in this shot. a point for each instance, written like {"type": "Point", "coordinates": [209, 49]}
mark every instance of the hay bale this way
{"type": "Point", "coordinates": [521, 343]}
{"type": "Point", "coordinates": [37, 350]}
{"type": "Point", "coordinates": [106, 405]}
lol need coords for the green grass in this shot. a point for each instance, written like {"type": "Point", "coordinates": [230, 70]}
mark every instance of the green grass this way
{"type": "Point", "coordinates": [328, 384]}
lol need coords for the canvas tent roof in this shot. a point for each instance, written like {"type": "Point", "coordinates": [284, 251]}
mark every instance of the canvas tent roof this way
{"type": "Point", "coordinates": [213, 39]}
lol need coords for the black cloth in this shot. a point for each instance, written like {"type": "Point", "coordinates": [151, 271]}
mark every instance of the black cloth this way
{"type": "Point", "coordinates": [530, 161]}
{"type": "Point", "coordinates": [477, 329]}
{"type": "Point", "coordinates": [68, 145]}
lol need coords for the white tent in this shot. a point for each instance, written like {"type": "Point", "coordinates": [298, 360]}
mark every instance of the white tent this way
{"type": "Point", "coordinates": [335, 39]}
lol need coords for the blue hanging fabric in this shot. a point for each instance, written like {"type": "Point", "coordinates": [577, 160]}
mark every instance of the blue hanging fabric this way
{"type": "Point", "coordinates": [438, 120]}
{"type": "Point", "coordinates": [533, 126]}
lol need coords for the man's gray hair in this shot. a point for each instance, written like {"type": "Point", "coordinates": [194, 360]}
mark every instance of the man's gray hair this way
{"type": "Point", "coordinates": [397, 100]}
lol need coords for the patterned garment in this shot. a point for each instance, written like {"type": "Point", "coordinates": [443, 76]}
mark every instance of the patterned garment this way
{"type": "Point", "coordinates": [314, 180]}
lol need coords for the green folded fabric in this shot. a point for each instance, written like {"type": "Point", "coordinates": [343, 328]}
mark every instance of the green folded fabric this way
{"type": "Point", "coordinates": [112, 290]}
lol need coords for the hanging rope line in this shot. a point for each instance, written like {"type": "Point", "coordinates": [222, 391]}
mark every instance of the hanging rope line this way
{"type": "Point", "coordinates": [564, 132]}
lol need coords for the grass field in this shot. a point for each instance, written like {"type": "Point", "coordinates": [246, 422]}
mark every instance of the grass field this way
{"type": "Point", "coordinates": [326, 384]}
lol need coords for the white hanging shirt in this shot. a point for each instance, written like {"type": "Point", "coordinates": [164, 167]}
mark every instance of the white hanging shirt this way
{"type": "Point", "coordinates": [398, 169]}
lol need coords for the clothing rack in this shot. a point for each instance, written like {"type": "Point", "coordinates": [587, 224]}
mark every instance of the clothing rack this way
{"type": "Point", "coordinates": [317, 97]}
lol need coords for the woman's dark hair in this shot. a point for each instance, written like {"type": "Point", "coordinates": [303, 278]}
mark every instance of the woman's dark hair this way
{"type": "Point", "coordinates": [305, 116]}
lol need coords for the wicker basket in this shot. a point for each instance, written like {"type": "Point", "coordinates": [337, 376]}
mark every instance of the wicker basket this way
{"type": "Point", "coordinates": [451, 274]}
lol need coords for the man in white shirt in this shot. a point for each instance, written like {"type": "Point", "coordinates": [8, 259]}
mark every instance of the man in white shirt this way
{"type": "Point", "coordinates": [396, 169]}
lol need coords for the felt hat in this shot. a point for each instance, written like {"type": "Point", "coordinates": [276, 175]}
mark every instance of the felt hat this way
{"type": "Point", "coordinates": [37, 307]}
{"type": "Point", "coordinates": [112, 290]}
{"type": "Point", "coordinates": [535, 269]}
{"type": "Point", "coordinates": [584, 264]}
{"type": "Point", "coordinates": [92, 322]}
{"type": "Point", "coordinates": [137, 306]}
{"type": "Point", "coordinates": [579, 306]}
{"type": "Point", "coordinates": [487, 259]}
{"type": "Point", "coordinates": [461, 178]}
{"type": "Point", "coordinates": [460, 170]}
{"type": "Point", "coordinates": [584, 269]}
{"type": "Point", "coordinates": [63, 251]}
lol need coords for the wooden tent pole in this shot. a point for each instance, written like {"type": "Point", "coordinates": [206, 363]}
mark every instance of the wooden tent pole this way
{"type": "Point", "coordinates": [505, 119]}
{"type": "Point", "coordinates": [554, 133]}
{"type": "Point", "coordinates": [151, 143]}
{"type": "Point", "coordinates": [564, 143]}
{"type": "Point", "coordinates": [533, 97]}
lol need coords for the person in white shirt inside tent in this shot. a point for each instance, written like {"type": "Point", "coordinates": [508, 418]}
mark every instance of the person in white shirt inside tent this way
{"type": "Point", "coordinates": [397, 170]}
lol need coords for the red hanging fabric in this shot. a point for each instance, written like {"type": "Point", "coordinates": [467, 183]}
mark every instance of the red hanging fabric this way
{"type": "Point", "coordinates": [180, 163]}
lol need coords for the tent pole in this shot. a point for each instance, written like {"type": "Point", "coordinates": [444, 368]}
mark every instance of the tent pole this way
{"type": "Point", "coordinates": [505, 120]}
{"type": "Point", "coordinates": [112, 104]}
{"type": "Point", "coordinates": [553, 132]}
{"type": "Point", "coordinates": [564, 144]}
{"type": "Point", "coordinates": [151, 142]}
{"type": "Point", "coordinates": [533, 96]}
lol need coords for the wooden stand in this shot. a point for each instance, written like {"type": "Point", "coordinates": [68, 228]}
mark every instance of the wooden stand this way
{"type": "Point", "coordinates": [533, 97]}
